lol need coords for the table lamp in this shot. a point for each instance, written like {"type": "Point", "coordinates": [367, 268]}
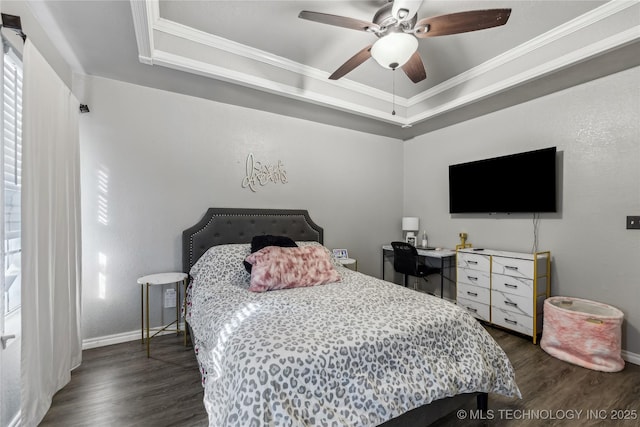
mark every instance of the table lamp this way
{"type": "Point", "coordinates": [410, 224]}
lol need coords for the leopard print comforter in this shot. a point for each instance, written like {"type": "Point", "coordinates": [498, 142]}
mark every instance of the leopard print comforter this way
{"type": "Point", "coordinates": [354, 353]}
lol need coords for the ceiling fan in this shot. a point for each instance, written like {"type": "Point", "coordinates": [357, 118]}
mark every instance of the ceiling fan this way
{"type": "Point", "coordinates": [398, 29]}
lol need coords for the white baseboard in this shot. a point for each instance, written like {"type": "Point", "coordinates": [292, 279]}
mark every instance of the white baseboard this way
{"type": "Point", "coordinates": [631, 357]}
{"type": "Point", "coordinates": [119, 338]}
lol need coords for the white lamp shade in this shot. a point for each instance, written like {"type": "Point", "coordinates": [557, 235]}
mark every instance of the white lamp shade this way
{"type": "Point", "coordinates": [410, 223]}
{"type": "Point", "coordinates": [394, 50]}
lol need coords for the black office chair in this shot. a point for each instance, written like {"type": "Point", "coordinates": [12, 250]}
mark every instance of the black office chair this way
{"type": "Point", "coordinates": [405, 261]}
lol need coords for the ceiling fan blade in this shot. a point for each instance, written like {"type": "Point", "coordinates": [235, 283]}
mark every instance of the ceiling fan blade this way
{"type": "Point", "coordinates": [339, 21]}
{"type": "Point", "coordinates": [352, 63]}
{"type": "Point", "coordinates": [414, 68]}
{"type": "Point", "coordinates": [461, 22]}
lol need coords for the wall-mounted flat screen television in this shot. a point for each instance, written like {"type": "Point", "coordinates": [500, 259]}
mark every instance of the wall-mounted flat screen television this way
{"type": "Point", "coordinates": [523, 182]}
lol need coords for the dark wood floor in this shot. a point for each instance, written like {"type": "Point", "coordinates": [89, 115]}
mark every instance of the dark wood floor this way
{"type": "Point", "coordinates": [118, 386]}
{"type": "Point", "coordinates": [553, 392]}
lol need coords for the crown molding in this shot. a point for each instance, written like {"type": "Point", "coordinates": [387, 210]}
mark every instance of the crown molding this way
{"type": "Point", "coordinates": [181, 63]}
{"type": "Point", "coordinates": [592, 50]}
{"type": "Point", "coordinates": [206, 39]}
{"type": "Point", "coordinates": [147, 20]}
{"type": "Point", "coordinates": [592, 17]}
{"type": "Point", "coordinates": [143, 25]}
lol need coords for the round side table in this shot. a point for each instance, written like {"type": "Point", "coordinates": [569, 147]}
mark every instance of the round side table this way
{"type": "Point", "coordinates": [153, 280]}
{"type": "Point", "coordinates": [347, 262]}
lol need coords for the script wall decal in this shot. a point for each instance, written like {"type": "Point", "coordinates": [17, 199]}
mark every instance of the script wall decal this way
{"type": "Point", "coordinates": [259, 174]}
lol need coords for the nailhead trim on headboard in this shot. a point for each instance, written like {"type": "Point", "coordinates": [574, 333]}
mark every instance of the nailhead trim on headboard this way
{"type": "Point", "coordinates": [243, 224]}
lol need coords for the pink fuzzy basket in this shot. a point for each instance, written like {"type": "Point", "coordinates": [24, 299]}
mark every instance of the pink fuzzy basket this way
{"type": "Point", "coordinates": [583, 332]}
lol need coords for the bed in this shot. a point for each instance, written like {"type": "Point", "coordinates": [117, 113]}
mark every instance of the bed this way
{"type": "Point", "coordinates": [354, 352]}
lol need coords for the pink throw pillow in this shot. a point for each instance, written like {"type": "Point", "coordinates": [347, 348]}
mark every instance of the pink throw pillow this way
{"type": "Point", "coordinates": [276, 267]}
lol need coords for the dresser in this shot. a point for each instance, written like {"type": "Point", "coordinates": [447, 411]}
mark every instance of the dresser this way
{"type": "Point", "coordinates": [506, 289]}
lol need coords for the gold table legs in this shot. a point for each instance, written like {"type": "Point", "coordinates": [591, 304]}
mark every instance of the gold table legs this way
{"type": "Point", "coordinates": [144, 310]}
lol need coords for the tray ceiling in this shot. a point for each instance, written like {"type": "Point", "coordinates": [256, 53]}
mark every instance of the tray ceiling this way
{"type": "Point", "coordinates": [261, 55]}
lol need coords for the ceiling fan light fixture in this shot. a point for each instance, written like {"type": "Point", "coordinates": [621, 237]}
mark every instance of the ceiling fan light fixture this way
{"type": "Point", "coordinates": [394, 50]}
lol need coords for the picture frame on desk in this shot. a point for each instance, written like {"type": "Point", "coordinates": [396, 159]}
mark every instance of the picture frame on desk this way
{"type": "Point", "coordinates": [340, 253]}
{"type": "Point", "coordinates": [411, 240]}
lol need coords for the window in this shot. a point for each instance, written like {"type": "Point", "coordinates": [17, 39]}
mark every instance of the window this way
{"type": "Point", "coordinates": [11, 182]}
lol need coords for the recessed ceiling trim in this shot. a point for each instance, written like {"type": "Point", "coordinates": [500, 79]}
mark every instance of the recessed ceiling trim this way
{"type": "Point", "coordinates": [596, 15]}
{"type": "Point", "coordinates": [618, 40]}
{"type": "Point", "coordinates": [181, 63]}
{"type": "Point", "coordinates": [142, 17]}
{"type": "Point", "coordinates": [197, 36]}
{"type": "Point", "coordinates": [147, 20]}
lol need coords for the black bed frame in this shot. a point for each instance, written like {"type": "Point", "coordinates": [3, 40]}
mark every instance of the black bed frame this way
{"type": "Point", "coordinates": [221, 226]}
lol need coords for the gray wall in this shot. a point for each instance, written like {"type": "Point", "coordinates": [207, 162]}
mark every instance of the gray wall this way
{"type": "Point", "coordinates": [596, 127]}
{"type": "Point", "coordinates": [154, 161]}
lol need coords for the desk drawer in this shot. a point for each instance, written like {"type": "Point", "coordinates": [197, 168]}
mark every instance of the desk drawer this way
{"type": "Point", "coordinates": [514, 303]}
{"type": "Point", "coordinates": [474, 261]}
{"type": "Point", "coordinates": [512, 267]}
{"type": "Point", "coordinates": [474, 277]}
{"type": "Point", "coordinates": [476, 309]}
{"type": "Point", "coordinates": [474, 293]}
{"type": "Point", "coordinates": [512, 285]}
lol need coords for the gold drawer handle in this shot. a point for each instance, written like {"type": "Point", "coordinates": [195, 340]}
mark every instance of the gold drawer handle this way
{"type": "Point", "coordinates": [596, 321]}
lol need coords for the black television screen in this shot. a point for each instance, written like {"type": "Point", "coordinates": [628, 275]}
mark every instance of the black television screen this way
{"type": "Point", "coordinates": [523, 182]}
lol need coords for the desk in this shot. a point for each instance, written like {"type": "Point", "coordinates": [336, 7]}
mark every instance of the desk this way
{"type": "Point", "coordinates": [445, 259]}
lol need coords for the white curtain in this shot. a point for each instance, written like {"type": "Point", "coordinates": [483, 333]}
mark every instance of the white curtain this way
{"type": "Point", "coordinates": [51, 307]}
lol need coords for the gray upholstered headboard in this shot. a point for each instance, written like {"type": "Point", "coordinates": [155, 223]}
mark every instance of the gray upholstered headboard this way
{"type": "Point", "coordinates": [221, 226]}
